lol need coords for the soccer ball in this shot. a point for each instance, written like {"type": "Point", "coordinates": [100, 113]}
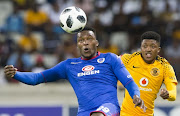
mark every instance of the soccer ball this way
{"type": "Point", "coordinates": [72, 19]}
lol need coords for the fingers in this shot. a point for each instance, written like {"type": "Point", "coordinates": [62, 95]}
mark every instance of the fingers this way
{"type": "Point", "coordinates": [164, 94]}
{"type": "Point", "coordinates": [143, 106]}
{"type": "Point", "coordinates": [10, 71]}
{"type": "Point", "coordinates": [139, 102]}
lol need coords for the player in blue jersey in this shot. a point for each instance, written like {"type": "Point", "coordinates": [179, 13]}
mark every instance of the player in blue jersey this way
{"type": "Point", "coordinates": [93, 77]}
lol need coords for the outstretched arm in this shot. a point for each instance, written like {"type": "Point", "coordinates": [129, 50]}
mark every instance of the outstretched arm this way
{"type": "Point", "coordinates": [24, 77]}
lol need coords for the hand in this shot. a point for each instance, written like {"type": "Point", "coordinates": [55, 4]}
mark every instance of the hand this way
{"type": "Point", "coordinates": [10, 71]}
{"type": "Point", "coordinates": [139, 102]}
{"type": "Point", "coordinates": [164, 94]}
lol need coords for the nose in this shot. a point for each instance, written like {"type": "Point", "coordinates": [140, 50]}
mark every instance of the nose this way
{"type": "Point", "coordinates": [148, 48]}
{"type": "Point", "coordinates": [85, 42]}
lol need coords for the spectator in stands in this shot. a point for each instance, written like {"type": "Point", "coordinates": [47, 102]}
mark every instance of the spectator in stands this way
{"type": "Point", "coordinates": [35, 18]}
{"type": "Point", "coordinates": [15, 22]}
{"type": "Point", "coordinates": [51, 40]}
{"type": "Point", "coordinates": [28, 42]}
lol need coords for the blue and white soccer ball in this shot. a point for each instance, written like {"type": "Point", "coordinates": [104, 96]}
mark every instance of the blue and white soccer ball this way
{"type": "Point", "coordinates": [72, 19]}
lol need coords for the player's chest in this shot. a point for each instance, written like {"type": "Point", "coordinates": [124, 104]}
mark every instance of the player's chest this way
{"type": "Point", "coordinates": [89, 69]}
{"type": "Point", "coordinates": [147, 75]}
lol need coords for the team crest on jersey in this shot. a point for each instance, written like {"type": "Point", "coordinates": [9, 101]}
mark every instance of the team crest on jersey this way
{"type": "Point", "coordinates": [144, 81]}
{"type": "Point", "coordinates": [88, 68]}
{"type": "Point", "coordinates": [155, 72]}
{"type": "Point", "coordinates": [100, 60]}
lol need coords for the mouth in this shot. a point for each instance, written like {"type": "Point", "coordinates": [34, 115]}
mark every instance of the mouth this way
{"type": "Point", "coordinates": [86, 50]}
{"type": "Point", "coordinates": [148, 55]}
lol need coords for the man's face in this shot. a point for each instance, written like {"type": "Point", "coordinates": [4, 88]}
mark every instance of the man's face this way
{"type": "Point", "coordinates": [87, 44]}
{"type": "Point", "coordinates": [150, 49]}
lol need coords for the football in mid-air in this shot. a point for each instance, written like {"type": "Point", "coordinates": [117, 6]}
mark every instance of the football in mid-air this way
{"type": "Point", "coordinates": [72, 19]}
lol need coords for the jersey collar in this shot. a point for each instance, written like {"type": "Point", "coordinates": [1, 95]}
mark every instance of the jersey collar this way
{"type": "Point", "coordinates": [98, 53]}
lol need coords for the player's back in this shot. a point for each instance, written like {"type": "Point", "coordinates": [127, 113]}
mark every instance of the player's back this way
{"type": "Point", "coordinates": [149, 78]}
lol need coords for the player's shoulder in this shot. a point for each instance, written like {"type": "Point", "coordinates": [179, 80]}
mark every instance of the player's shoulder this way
{"type": "Point", "coordinates": [72, 60]}
{"type": "Point", "coordinates": [109, 54]}
{"type": "Point", "coordinates": [110, 57]}
{"type": "Point", "coordinates": [162, 60]}
{"type": "Point", "coordinates": [127, 57]}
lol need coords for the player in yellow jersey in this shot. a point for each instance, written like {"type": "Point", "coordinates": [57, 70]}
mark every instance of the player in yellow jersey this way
{"type": "Point", "coordinates": [149, 71]}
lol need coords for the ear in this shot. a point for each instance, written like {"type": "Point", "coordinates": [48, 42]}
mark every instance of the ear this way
{"type": "Point", "coordinates": [159, 49]}
{"type": "Point", "coordinates": [97, 43]}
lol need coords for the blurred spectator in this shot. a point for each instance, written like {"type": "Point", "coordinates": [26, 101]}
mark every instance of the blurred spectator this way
{"type": "Point", "coordinates": [20, 59]}
{"type": "Point", "coordinates": [86, 5]}
{"type": "Point", "coordinates": [28, 42]}
{"type": "Point", "coordinates": [35, 18]}
{"type": "Point", "coordinates": [51, 40]}
{"type": "Point", "coordinates": [108, 48]}
{"type": "Point", "coordinates": [15, 22]}
{"type": "Point", "coordinates": [68, 48]}
{"type": "Point", "coordinates": [172, 53]}
{"type": "Point", "coordinates": [53, 14]}
{"type": "Point", "coordinates": [39, 64]}
{"type": "Point", "coordinates": [104, 15]}
{"type": "Point", "coordinates": [6, 47]}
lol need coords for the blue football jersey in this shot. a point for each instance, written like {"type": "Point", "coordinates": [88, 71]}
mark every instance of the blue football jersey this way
{"type": "Point", "coordinates": [94, 81]}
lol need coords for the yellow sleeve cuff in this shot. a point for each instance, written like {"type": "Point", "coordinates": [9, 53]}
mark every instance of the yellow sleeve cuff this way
{"type": "Point", "coordinates": [171, 87]}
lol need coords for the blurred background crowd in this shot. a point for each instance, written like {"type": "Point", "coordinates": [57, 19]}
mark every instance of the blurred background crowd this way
{"type": "Point", "coordinates": [32, 40]}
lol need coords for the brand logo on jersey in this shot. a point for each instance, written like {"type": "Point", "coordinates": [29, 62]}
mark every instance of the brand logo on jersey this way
{"type": "Point", "coordinates": [155, 72]}
{"type": "Point", "coordinates": [100, 60]}
{"type": "Point", "coordinates": [144, 81]}
{"type": "Point", "coordinates": [75, 62]}
{"type": "Point", "coordinates": [135, 66]}
{"type": "Point", "coordinates": [88, 70]}
{"type": "Point", "coordinates": [129, 76]}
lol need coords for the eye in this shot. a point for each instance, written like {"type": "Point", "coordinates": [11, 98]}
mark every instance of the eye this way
{"type": "Point", "coordinates": [80, 40]}
{"type": "Point", "coordinates": [153, 46]}
{"type": "Point", "coordinates": [145, 46]}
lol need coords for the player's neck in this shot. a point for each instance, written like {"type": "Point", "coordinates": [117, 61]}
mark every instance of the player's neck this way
{"type": "Point", "coordinates": [97, 54]}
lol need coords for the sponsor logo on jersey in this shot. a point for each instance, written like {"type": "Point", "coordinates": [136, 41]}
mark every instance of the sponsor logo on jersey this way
{"type": "Point", "coordinates": [145, 89]}
{"type": "Point", "coordinates": [143, 81]}
{"type": "Point", "coordinates": [100, 60]}
{"type": "Point", "coordinates": [155, 72]}
{"type": "Point", "coordinates": [88, 70]}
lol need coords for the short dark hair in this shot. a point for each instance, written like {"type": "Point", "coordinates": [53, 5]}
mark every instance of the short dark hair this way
{"type": "Point", "coordinates": [89, 29]}
{"type": "Point", "coordinates": [151, 35]}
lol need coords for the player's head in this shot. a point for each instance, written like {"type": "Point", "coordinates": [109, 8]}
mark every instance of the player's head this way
{"type": "Point", "coordinates": [150, 46]}
{"type": "Point", "coordinates": [87, 43]}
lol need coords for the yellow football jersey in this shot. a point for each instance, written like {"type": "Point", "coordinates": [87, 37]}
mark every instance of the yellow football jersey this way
{"type": "Point", "coordinates": [149, 78]}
